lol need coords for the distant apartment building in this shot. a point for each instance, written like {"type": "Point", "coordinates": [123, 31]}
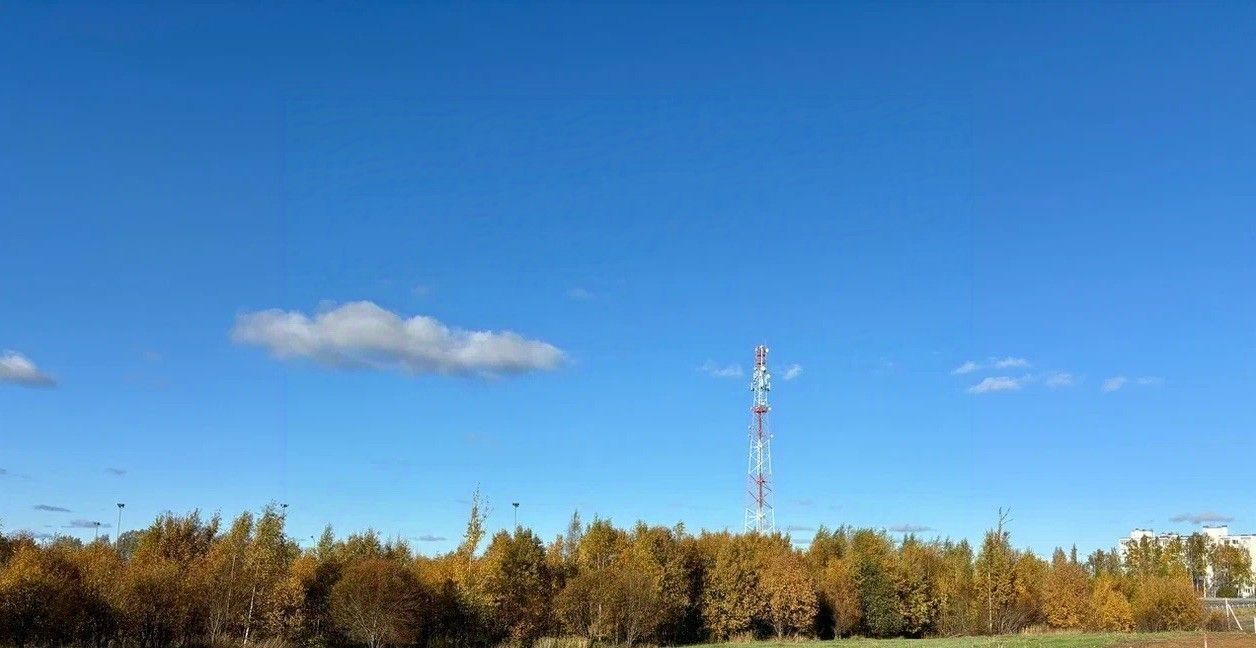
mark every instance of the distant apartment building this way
{"type": "Point", "coordinates": [1215, 534]}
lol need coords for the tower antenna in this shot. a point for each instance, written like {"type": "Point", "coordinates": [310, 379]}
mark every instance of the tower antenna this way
{"type": "Point", "coordinates": [759, 514]}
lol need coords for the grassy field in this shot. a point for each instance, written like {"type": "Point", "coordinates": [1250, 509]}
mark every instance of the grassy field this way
{"type": "Point", "coordinates": [1064, 640]}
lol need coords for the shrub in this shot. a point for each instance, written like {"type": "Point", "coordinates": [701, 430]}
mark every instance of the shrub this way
{"type": "Point", "coordinates": [1167, 604]}
{"type": "Point", "coordinates": [1109, 610]}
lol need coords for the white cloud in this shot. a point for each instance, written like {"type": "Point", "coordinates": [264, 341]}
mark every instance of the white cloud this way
{"type": "Point", "coordinates": [1057, 379]}
{"type": "Point", "coordinates": [420, 290]}
{"type": "Point", "coordinates": [580, 294]}
{"type": "Point", "coordinates": [792, 371]}
{"type": "Point", "coordinates": [720, 371]}
{"type": "Point", "coordinates": [996, 384]}
{"type": "Point", "coordinates": [1007, 362]}
{"type": "Point", "coordinates": [1112, 384]}
{"type": "Point", "coordinates": [966, 368]}
{"type": "Point", "coordinates": [361, 335]}
{"type": "Point", "coordinates": [16, 369]}
{"type": "Point", "coordinates": [910, 528]}
{"type": "Point", "coordinates": [1149, 381]}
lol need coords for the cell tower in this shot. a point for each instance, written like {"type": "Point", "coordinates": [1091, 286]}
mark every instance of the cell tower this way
{"type": "Point", "coordinates": [759, 514]}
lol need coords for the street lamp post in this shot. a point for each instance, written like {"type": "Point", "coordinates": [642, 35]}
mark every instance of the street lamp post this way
{"type": "Point", "coordinates": [516, 505]}
{"type": "Point", "coordinates": [97, 525]}
{"type": "Point", "coordinates": [117, 531]}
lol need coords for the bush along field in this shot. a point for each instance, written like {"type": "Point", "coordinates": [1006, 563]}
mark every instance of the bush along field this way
{"type": "Point", "coordinates": [189, 581]}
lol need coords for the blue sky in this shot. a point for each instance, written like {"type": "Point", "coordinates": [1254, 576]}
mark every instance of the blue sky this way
{"type": "Point", "coordinates": [219, 222]}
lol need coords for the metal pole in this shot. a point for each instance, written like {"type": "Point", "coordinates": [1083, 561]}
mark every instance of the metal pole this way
{"type": "Point", "coordinates": [97, 525]}
{"type": "Point", "coordinates": [516, 505]}
{"type": "Point", "coordinates": [117, 532]}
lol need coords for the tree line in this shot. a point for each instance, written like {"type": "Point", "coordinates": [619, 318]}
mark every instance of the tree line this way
{"type": "Point", "coordinates": [187, 581]}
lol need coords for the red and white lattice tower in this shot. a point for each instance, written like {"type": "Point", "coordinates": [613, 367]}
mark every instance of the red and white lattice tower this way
{"type": "Point", "coordinates": [759, 514]}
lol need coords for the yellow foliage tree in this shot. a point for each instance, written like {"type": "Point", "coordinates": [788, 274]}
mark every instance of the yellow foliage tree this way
{"type": "Point", "coordinates": [1164, 603]}
{"type": "Point", "coordinates": [841, 593]}
{"type": "Point", "coordinates": [790, 593]}
{"type": "Point", "coordinates": [1065, 593]}
{"type": "Point", "coordinates": [1109, 610]}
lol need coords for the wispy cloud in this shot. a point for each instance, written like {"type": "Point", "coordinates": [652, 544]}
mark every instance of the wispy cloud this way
{"type": "Point", "coordinates": [481, 440]}
{"type": "Point", "coordinates": [17, 369]}
{"type": "Point", "coordinates": [87, 524]}
{"type": "Point", "coordinates": [792, 371]}
{"type": "Point", "coordinates": [361, 335]}
{"type": "Point", "coordinates": [805, 503]}
{"type": "Point", "coordinates": [580, 294]}
{"type": "Point", "coordinates": [909, 528]}
{"type": "Point", "coordinates": [431, 538]}
{"type": "Point", "coordinates": [805, 529]}
{"type": "Point", "coordinates": [50, 508]}
{"type": "Point", "coordinates": [1209, 517]}
{"type": "Point", "coordinates": [711, 368]}
{"type": "Point", "coordinates": [1005, 362]}
{"type": "Point", "coordinates": [1149, 381]}
{"type": "Point", "coordinates": [420, 290]}
{"type": "Point", "coordinates": [1057, 379]}
{"type": "Point", "coordinates": [116, 472]}
{"type": "Point", "coordinates": [994, 384]}
{"type": "Point", "coordinates": [966, 368]}
{"type": "Point", "coordinates": [1113, 384]}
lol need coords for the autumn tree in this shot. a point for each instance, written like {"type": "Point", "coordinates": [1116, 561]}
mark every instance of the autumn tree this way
{"type": "Point", "coordinates": [840, 592]}
{"type": "Point", "coordinates": [266, 560]}
{"type": "Point", "coordinates": [672, 562]}
{"type": "Point", "coordinates": [996, 581]}
{"type": "Point", "coordinates": [918, 579]}
{"type": "Point", "coordinates": [376, 602]}
{"type": "Point", "coordinates": [581, 605]}
{"type": "Point", "coordinates": [875, 579]}
{"type": "Point", "coordinates": [225, 572]}
{"type": "Point", "coordinates": [1195, 554]}
{"type": "Point", "coordinates": [1231, 569]}
{"type": "Point", "coordinates": [731, 598]}
{"type": "Point", "coordinates": [1109, 610]}
{"type": "Point", "coordinates": [157, 603]}
{"type": "Point", "coordinates": [39, 597]}
{"type": "Point", "coordinates": [789, 591]}
{"type": "Point", "coordinates": [1066, 593]}
{"type": "Point", "coordinates": [100, 570]}
{"type": "Point", "coordinates": [1167, 603]}
{"type": "Point", "coordinates": [956, 584]}
{"type": "Point", "coordinates": [517, 585]}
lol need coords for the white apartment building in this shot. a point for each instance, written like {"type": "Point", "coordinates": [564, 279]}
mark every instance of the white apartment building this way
{"type": "Point", "coordinates": [1216, 534]}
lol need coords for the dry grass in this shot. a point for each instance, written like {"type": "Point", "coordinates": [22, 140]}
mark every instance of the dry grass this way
{"type": "Point", "coordinates": [1033, 640]}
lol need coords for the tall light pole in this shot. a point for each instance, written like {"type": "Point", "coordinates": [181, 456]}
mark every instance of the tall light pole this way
{"type": "Point", "coordinates": [97, 525]}
{"type": "Point", "coordinates": [516, 505]}
{"type": "Point", "coordinates": [117, 532]}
